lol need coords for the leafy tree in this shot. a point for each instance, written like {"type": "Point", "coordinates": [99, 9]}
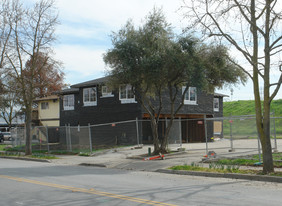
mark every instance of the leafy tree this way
{"type": "Point", "coordinates": [47, 78]}
{"type": "Point", "coordinates": [253, 28]}
{"type": "Point", "coordinates": [154, 61]}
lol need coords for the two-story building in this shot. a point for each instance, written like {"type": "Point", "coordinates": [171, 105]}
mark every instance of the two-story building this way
{"type": "Point", "coordinates": [48, 111]}
{"type": "Point", "coordinates": [92, 102]}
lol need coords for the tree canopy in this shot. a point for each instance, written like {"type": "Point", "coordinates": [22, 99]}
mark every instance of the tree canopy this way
{"type": "Point", "coordinates": [154, 60]}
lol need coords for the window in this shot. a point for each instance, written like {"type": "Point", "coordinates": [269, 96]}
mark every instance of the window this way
{"type": "Point", "coordinates": [126, 94]}
{"type": "Point", "coordinates": [106, 92]}
{"type": "Point", "coordinates": [90, 96]}
{"type": "Point", "coordinates": [216, 104]}
{"type": "Point", "coordinates": [190, 96]}
{"type": "Point", "coordinates": [68, 102]}
{"type": "Point", "coordinates": [44, 105]}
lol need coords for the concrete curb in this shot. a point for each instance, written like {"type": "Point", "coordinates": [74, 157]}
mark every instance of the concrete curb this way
{"type": "Point", "coordinates": [26, 159]}
{"type": "Point", "coordinates": [263, 178]}
{"type": "Point", "coordinates": [167, 156]}
{"type": "Point", "coordinates": [92, 165]}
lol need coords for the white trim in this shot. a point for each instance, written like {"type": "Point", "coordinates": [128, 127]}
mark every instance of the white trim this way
{"type": "Point", "coordinates": [127, 101]}
{"type": "Point", "coordinates": [106, 96]}
{"type": "Point", "coordinates": [87, 104]}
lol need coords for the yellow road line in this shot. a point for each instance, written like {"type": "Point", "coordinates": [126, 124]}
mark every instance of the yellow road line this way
{"type": "Point", "coordinates": [89, 191]}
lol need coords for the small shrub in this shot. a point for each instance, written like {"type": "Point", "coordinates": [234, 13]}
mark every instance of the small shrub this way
{"type": "Point", "coordinates": [85, 154]}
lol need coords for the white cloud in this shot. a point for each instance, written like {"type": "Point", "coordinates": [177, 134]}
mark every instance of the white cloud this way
{"type": "Point", "coordinates": [114, 14]}
{"type": "Point", "coordinates": [87, 24]}
{"type": "Point", "coordinates": [80, 63]}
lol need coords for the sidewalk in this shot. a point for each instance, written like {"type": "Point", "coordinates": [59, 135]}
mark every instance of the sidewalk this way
{"type": "Point", "coordinates": [122, 157]}
{"type": "Point", "coordinates": [129, 158]}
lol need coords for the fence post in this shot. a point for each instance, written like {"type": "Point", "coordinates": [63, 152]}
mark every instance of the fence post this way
{"type": "Point", "coordinates": [70, 146]}
{"type": "Point", "coordinates": [47, 139]}
{"type": "Point", "coordinates": [17, 139]}
{"type": "Point", "coordinates": [206, 134]}
{"type": "Point", "coordinates": [137, 131]}
{"type": "Point", "coordinates": [90, 139]}
{"type": "Point", "coordinates": [24, 135]}
{"type": "Point", "coordinates": [231, 138]}
{"type": "Point", "coordinates": [180, 133]}
{"type": "Point", "coordinates": [67, 139]}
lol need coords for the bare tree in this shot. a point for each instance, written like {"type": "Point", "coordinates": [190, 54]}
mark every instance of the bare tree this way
{"type": "Point", "coordinates": [253, 29]}
{"type": "Point", "coordinates": [32, 34]}
{"type": "Point", "coordinates": [5, 33]}
{"type": "Point", "coordinates": [9, 102]}
{"type": "Point", "coordinates": [5, 28]}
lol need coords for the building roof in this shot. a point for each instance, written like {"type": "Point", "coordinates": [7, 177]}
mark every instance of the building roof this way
{"type": "Point", "coordinates": [69, 91]}
{"type": "Point", "coordinates": [91, 82]}
{"type": "Point", "coordinates": [51, 97]}
{"type": "Point", "coordinates": [220, 95]}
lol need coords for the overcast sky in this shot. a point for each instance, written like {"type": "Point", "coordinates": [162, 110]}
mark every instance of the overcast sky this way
{"type": "Point", "coordinates": [86, 25]}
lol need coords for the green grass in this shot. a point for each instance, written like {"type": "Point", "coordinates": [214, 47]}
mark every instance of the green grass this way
{"type": "Point", "coordinates": [43, 156]}
{"type": "Point", "coordinates": [34, 155]}
{"type": "Point", "coordinates": [233, 165]}
{"type": "Point", "coordinates": [277, 157]}
{"type": "Point", "coordinates": [247, 127]}
{"type": "Point", "coordinates": [220, 168]}
{"type": "Point", "coordinates": [242, 162]}
{"type": "Point", "coordinates": [216, 168]}
{"type": "Point", "coordinates": [2, 146]}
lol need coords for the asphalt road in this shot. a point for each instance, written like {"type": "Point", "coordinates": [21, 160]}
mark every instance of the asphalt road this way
{"type": "Point", "coordinates": [46, 184]}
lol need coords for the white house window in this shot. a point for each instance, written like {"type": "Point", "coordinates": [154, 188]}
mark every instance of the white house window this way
{"type": "Point", "coordinates": [216, 104]}
{"type": "Point", "coordinates": [126, 94]}
{"type": "Point", "coordinates": [106, 92]}
{"type": "Point", "coordinates": [90, 96]}
{"type": "Point", "coordinates": [190, 96]}
{"type": "Point", "coordinates": [68, 102]}
{"type": "Point", "coordinates": [44, 105]}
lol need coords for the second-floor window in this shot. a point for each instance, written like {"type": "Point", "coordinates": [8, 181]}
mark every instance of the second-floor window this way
{"type": "Point", "coordinates": [126, 94]}
{"type": "Point", "coordinates": [216, 104]}
{"type": "Point", "coordinates": [90, 96]}
{"type": "Point", "coordinates": [44, 105]}
{"type": "Point", "coordinates": [106, 92]}
{"type": "Point", "coordinates": [190, 97]}
{"type": "Point", "coordinates": [68, 102]}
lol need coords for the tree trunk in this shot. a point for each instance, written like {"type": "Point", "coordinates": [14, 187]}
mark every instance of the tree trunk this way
{"type": "Point", "coordinates": [164, 144]}
{"type": "Point", "coordinates": [28, 150]}
{"type": "Point", "coordinates": [262, 117]}
{"type": "Point", "coordinates": [265, 140]}
{"type": "Point", "coordinates": [154, 127]}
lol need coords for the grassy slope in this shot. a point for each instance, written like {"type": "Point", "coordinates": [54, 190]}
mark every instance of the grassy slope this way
{"type": "Point", "coordinates": [247, 107]}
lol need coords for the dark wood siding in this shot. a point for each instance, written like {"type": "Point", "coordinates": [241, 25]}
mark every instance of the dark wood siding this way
{"type": "Point", "coordinates": [110, 109]}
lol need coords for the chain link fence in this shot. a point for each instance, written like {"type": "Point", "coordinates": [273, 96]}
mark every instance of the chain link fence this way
{"type": "Point", "coordinates": [80, 138]}
{"type": "Point", "coordinates": [232, 133]}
